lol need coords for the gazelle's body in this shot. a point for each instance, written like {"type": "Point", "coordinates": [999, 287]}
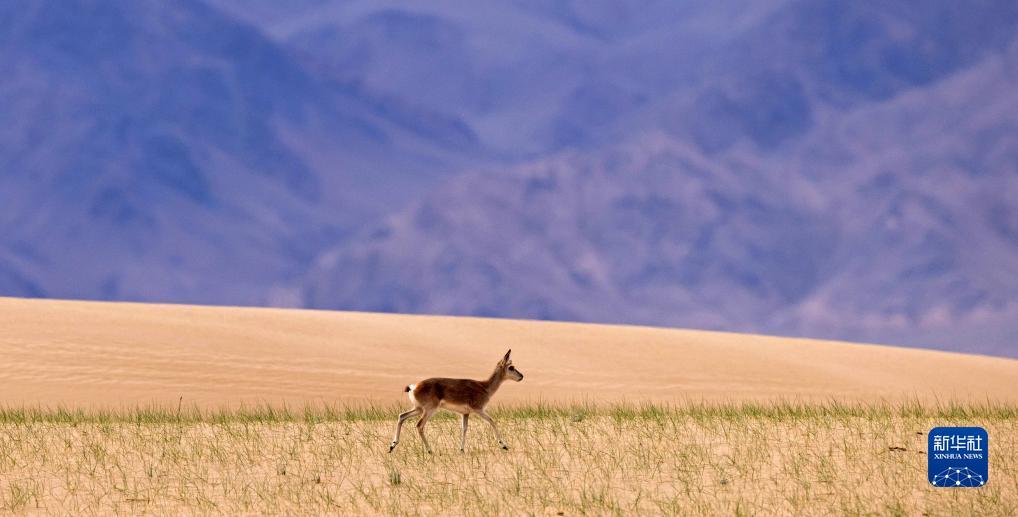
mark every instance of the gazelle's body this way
{"type": "Point", "coordinates": [464, 396]}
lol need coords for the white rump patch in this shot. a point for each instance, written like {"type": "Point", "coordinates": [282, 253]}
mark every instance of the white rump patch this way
{"type": "Point", "coordinates": [411, 394]}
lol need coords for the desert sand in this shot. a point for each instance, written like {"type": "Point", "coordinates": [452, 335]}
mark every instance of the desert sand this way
{"type": "Point", "coordinates": [92, 354]}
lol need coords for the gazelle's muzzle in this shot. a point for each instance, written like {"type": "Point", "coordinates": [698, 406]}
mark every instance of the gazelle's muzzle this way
{"type": "Point", "coordinates": [516, 374]}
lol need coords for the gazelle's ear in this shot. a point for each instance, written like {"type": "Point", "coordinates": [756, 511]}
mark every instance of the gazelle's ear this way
{"type": "Point", "coordinates": [506, 358]}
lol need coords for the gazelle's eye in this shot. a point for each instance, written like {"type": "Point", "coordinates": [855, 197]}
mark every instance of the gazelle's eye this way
{"type": "Point", "coordinates": [512, 368]}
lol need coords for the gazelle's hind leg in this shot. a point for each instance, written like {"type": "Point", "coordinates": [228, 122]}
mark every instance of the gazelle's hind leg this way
{"type": "Point", "coordinates": [498, 435]}
{"type": "Point", "coordinates": [463, 432]}
{"type": "Point", "coordinates": [399, 425]}
{"type": "Point", "coordinates": [420, 427]}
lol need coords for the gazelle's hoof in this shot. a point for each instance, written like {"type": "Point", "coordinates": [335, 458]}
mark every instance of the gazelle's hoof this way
{"type": "Point", "coordinates": [505, 447]}
{"type": "Point", "coordinates": [392, 446]}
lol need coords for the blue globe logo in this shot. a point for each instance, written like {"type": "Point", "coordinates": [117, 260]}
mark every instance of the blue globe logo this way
{"type": "Point", "coordinates": [953, 476]}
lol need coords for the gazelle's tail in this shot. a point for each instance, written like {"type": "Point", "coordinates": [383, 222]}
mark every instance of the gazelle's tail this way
{"type": "Point", "coordinates": [407, 389]}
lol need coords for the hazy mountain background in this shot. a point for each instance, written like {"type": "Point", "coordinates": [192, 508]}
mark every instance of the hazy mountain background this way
{"type": "Point", "coordinates": [830, 169]}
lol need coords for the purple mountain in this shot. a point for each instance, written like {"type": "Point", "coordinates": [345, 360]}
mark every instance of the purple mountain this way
{"type": "Point", "coordinates": [829, 169]}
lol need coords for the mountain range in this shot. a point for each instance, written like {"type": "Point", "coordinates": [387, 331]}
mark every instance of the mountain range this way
{"type": "Point", "coordinates": [166, 151]}
{"type": "Point", "coordinates": [826, 169]}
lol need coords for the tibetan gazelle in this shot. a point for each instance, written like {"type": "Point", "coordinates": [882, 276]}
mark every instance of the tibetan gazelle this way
{"type": "Point", "coordinates": [463, 396]}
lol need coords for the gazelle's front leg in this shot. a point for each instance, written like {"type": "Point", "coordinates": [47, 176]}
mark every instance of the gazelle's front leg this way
{"type": "Point", "coordinates": [498, 435]}
{"type": "Point", "coordinates": [463, 433]}
{"type": "Point", "coordinates": [399, 425]}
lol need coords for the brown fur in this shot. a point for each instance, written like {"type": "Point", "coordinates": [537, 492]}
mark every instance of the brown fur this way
{"type": "Point", "coordinates": [463, 396]}
{"type": "Point", "coordinates": [459, 391]}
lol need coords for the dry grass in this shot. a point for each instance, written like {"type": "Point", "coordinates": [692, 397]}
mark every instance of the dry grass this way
{"type": "Point", "coordinates": [695, 459]}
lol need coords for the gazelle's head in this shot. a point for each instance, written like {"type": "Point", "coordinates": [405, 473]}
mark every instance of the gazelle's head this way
{"type": "Point", "coordinates": [508, 370]}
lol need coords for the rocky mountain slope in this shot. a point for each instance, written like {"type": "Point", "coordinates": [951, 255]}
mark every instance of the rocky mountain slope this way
{"type": "Point", "coordinates": [826, 169]}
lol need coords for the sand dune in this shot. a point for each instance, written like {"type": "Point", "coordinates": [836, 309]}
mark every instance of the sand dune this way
{"type": "Point", "coordinates": [115, 354]}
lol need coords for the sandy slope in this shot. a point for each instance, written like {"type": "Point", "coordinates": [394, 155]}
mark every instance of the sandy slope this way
{"type": "Point", "coordinates": [91, 354]}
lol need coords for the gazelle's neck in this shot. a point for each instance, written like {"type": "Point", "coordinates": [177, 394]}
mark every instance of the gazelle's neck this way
{"type": "Point", "coordinates": [494, 381]}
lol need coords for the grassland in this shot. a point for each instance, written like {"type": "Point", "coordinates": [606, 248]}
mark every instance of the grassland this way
{"type": "Point", "coordinates": [719, 437]}
{"type": "Point", "coordinates": [734, 459]}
